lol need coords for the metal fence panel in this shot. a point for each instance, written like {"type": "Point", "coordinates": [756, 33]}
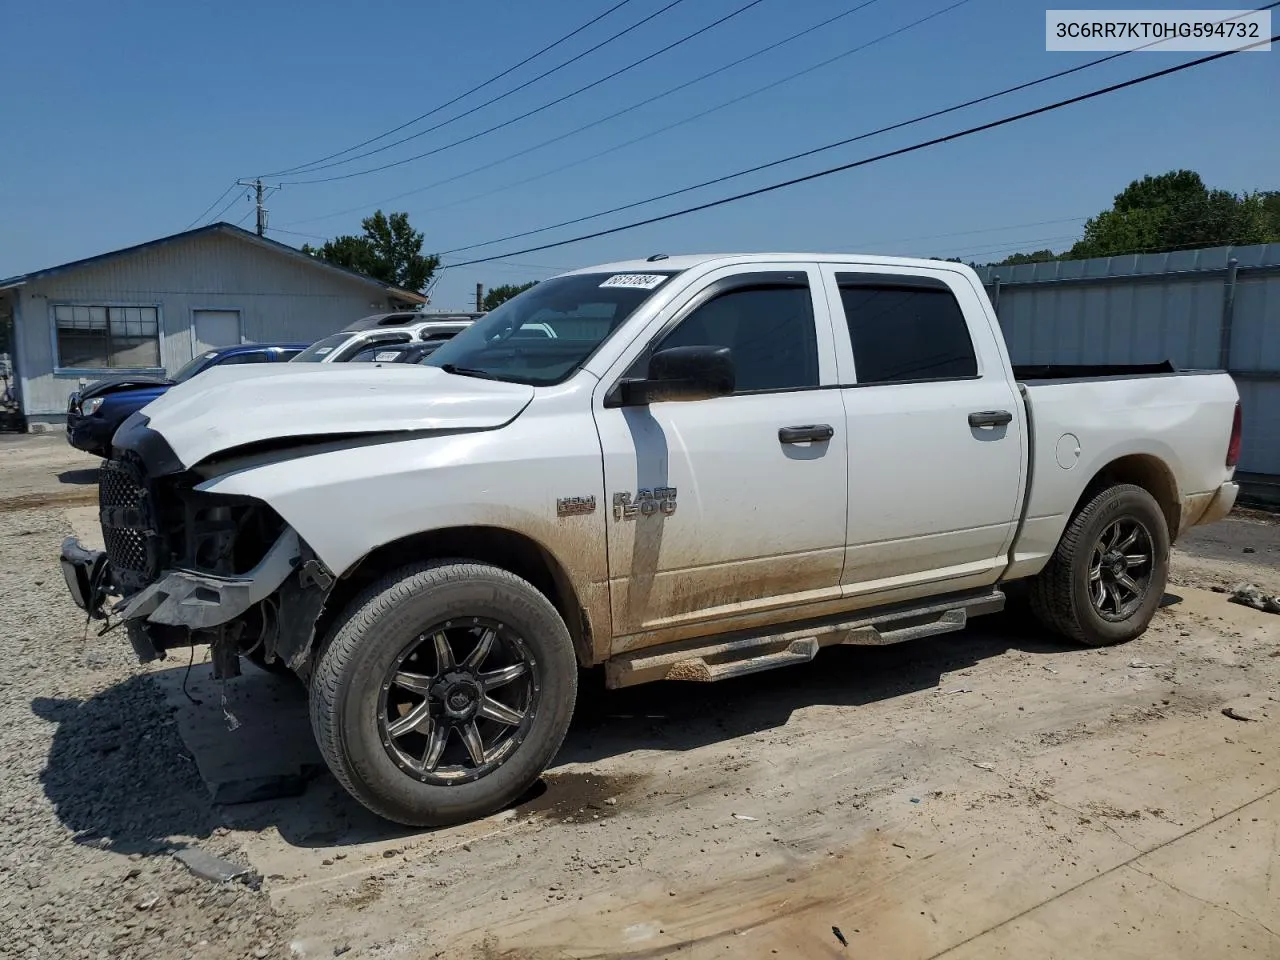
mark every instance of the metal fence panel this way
{"type": "Point", "coordinates": [1184, 306]}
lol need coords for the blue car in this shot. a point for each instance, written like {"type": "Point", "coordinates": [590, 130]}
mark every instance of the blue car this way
{"type": "Point", "coordinates": [94, 413]}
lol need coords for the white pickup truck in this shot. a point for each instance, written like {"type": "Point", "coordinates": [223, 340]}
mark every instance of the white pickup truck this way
{"type": "Point", "coordinates": [717, 465]}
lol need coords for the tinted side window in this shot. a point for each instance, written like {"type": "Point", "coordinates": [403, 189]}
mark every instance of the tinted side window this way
{"type": "Point", "coordinates": [906, 333]}
{"type": "Point", "coordinates": [770, 330]}
{"type": "Point", "coordinates": [244, 358]}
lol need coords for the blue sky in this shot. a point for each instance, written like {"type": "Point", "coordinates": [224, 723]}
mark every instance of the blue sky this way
{"type": "Point", "coordinates": [123, 121]}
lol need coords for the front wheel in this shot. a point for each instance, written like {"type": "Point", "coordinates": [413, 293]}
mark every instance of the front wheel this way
{"type": "Point", "coordinates": [444, 692]}
{"type": "Point", "coordinates": [1107, 576]}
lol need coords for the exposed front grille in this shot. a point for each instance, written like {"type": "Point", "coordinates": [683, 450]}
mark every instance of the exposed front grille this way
{"type": "Point", "coordinates": [128, 525]}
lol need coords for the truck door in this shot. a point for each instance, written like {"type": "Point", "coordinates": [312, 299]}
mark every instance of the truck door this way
{"type": "Point", "coordinates": [936, 428]}
{"type": "Point", "coordinates": [720, 508]}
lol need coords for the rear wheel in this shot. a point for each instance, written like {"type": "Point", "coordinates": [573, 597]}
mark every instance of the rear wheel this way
{"type": "Point", "coordinates": [1107, 576]}
{"type": "Point", "coordinates": [444, 692]}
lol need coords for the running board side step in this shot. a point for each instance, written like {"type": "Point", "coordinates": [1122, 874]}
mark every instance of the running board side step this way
{"type": "Point", "coordinates": [732, 655]}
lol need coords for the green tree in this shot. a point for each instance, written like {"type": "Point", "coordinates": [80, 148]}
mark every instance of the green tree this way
{"type": "Point", "coordinates": [1176, 211]}
{"type": "Point", "coordinates": [1171, 211]}
{"type": "Point", "coordinates": [500, 295]}
{"type": "Point", "coordinates": [1036, 256]}
{"type": "Point", "coordinates": [1271, 208]}
{"type": "Point", "coordinates": [390, 250]}
{"type": "Point", "coordinates": [1165, 190]}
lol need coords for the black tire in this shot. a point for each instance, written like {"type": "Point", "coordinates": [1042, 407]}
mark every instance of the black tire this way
{"type": "Point", "coordinates": [1063, 596]}
{"type": "Point", "coordinates": [367, 646]}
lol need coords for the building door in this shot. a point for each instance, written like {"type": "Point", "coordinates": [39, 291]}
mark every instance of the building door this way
{"type": "Point", "coordinates": [214, 328]}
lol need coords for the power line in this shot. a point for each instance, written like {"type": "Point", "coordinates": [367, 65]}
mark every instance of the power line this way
{"type": "Point", "coordinates": [965, 233]}
{"type": "Point", "coordinates": [774, 163]}
{"type": "Point", "coordinates": [605, 119]}
{"type": "Point", "coordinates": [546, 106]}
{"type": "Point", "coordinates": [230, 203]}
{"type": "Point", "coordinates": [1013, 246]}
{"type": "Point", "coordinates": [493, 100]}
{"type": "Point", "coordinates": [970, 131]}
{"type": "Point", "coordinates": [703, 113]}
{"type": "Point", "coordinates": [295, 233]}
{"type": "Point", "coordinates": [806, 153]}
{"type": "Point", "coordinates": [477, 88]}
{"type": "Point", "coordinates": [211, 206]}
{"type": "Point", "coordinates": [697, 116]}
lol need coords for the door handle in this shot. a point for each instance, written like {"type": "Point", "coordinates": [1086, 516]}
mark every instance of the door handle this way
{"type": "Point", "coordinates": [990, 418]}
{"type": "Point", "coordinates": [818, 432]}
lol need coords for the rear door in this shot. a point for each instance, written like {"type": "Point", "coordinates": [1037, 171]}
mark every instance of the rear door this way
{"type": "Point", "coordinates": [936, 430]}
{"type": "Point", "coordinates": [715, 509]}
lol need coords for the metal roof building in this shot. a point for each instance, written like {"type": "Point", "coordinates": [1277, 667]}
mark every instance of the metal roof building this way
{"type": "Point", "coordinates": [152, 307]}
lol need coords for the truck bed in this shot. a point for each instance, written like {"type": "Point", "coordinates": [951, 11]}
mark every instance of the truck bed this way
{"type": "Point", "coordinates": [1082, 418]}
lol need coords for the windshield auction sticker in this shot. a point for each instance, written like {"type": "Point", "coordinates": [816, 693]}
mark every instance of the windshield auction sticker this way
{"type": "Point", "coordinates": [1158, 31]}
{"type": "Point", "coordinates": [641, 281]}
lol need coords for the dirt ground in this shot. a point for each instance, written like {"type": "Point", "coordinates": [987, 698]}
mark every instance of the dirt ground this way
{"type": "Point", "coordinates": [992, 793]}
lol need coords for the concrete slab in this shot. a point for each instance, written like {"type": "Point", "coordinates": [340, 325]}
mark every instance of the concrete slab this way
{"type": "Point", "coordinates": [256, 744]}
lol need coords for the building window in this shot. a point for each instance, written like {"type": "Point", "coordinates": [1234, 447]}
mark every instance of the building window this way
{"type": "Point", "coordinates": [102, 337]}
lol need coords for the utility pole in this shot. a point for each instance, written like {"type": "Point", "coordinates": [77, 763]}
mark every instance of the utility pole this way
{"type": "Point", "coordinates": [479, 297]}
{"type": "Point", "coordinates": [260, 193]}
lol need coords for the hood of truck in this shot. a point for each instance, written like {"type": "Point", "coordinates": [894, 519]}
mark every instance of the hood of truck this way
{"type": "Point", "coordinates": [231, 407]}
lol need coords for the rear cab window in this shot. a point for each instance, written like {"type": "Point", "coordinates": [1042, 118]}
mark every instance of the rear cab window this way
{"type": "Point", "coordinates": [905, 329]}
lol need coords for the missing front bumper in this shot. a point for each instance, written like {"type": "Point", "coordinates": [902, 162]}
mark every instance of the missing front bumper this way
{"type": "Point", "coordinates": [196, 601]}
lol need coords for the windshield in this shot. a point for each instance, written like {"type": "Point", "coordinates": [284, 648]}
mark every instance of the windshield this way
{"type": "Point", "coordinates": [543, 335]}
{"type": "Point", "coordinates": [194, 367]}
{"type": "Point", "coordinates": [379, 353]}
{"type": "Point", "coordinates": [321, 348]}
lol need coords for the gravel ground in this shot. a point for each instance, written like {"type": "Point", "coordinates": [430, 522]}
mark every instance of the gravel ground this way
{"type": "Point", "coordinates": [98, 792]}
{"type": "Point", "coordinates": [996, 794]}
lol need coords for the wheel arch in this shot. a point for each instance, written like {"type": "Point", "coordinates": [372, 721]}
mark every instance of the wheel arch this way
{"type": "Point", "coordinates": [1142, 470]}
{"type": "Point", "coordinates": [515, 552]}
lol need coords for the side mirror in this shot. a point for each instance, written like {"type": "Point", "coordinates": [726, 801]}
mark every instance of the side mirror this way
{"type": "Point", "coordinates": [683, 373]}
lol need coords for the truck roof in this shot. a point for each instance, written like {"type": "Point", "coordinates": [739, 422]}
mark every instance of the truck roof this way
{"type": "Point", "coordinates": [688, 261]}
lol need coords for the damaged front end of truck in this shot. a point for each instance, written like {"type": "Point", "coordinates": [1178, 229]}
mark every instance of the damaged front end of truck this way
{"type": "Point", "coordinates": [184, 567]}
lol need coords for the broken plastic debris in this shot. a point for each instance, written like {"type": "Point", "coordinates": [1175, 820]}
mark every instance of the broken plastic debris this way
{"type": "Point", "coordinates": [1248, 595]}
{"type": "Point", "coordinates": [990, 768]}
{"type": "Point", "coordinates": [960, 690]}
{"type": "Point", "coordinates": [1143, 665]}
{"type": "Point", "coordinates": [1235, 714]}
{"type": "Point", "coordinates": [743, 816]}
{"type": "Point", "coordinates": [209, 867]}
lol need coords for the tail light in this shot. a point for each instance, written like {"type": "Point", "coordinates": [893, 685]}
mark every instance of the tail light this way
{"type": "Point", "coordinates": [1233, 448]}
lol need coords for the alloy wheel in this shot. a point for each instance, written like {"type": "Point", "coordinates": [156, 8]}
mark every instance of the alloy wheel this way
{"type": "Point", "coordinates": [1120, 569]}
{"type": "Point", "coordinates": [458, 701]}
